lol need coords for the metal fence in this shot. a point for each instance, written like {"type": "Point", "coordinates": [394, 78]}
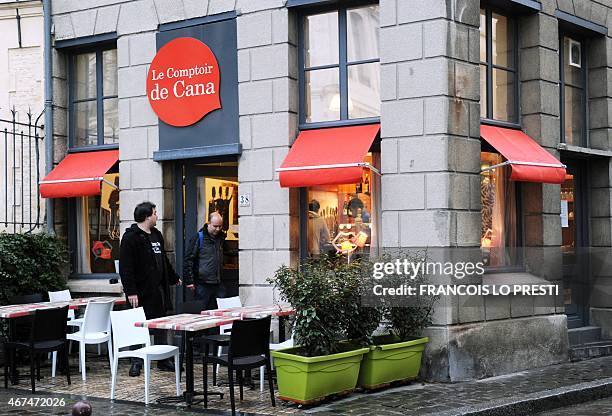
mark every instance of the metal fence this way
{"type": "Point", "coordinates": [22, 164]}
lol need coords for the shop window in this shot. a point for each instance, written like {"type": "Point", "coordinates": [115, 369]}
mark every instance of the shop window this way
{"type": "Point", "coordinates": [97, 229]}
{"type": "Point", "coordinates": [93, 99]}
{"type": "Point", "coordinates": [343, 218]}
{"type": "Point", "coordinates": [573, 91]}
{"type": "Point", "coordinates": [499, 227]}
{"type": "Point", "coordinates": [340, 65]}
{"type": "Point", "coordinates": [498, 73]}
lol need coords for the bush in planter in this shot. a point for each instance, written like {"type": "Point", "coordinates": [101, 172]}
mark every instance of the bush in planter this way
{"type": "Point", "coordinates": [31, 263]}
{"type": "Point", "coordinates": [323, 292]}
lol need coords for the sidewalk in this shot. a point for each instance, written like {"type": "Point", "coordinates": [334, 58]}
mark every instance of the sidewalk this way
{"type": "Point", "coordinates": [522, 393]}
{"type": "Point", "coordinates": [525, 393]}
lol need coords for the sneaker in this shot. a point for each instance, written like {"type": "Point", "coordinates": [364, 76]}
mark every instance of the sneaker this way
{"type": "Point", "coordinates": [135, 369]}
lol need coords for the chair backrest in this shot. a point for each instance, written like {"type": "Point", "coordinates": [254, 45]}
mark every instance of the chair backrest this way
{"type": "Point", "coordinates": [233, 302]}
{"type": "Point", "coordinates": [23, 299]}
{"type": "Point", "coordinates": [250, 337]}
{"type": "Point", "coordinates": [125, 334]}
{"type": "Point", "coordinates": [49, 324]}
{"type": "Point", "coordinates": [224, 303]}
{"type": "Point", "coordinates": [193, 306]}
{"type": "Point", "coordinates": [61, 296]}
{"type": "Point", "coordinates": [97, 316]}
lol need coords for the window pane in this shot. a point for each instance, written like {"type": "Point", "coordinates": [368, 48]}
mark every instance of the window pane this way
{"type": "Point", "coordinates": [499, 228]}
{"type": "Point", "coordinates": [503, 95]}
{"type": "Point", "coordinates": [362, 33]}
{"type": "Point", "coordinates": [341, 217]}
{"type": "Point", "coordinates": [109, 69]}
{"type": "Point", "coordinates": [574, 115]}
{"type": "Point", "coordinates": [322, 95]}
{"type": "Point", "coordinates": [483, 91]}
{"type": "Point", "coordinates": [86, 127]}
{"type": "Point", "coordinates": [98, 229]}
{"type": "Point", "coordinates": [364, 90]}
{"type": "Point", "coordinates": [483, 36]}
{"type": "Point", "coordinates": [111, 121]}
{"type": "Point", "coordinates": [572, 65]}
{"type": "Point", "coordinates": [321, 39]}
{"type": "Point", "coordinates": [85, 76]}
{"type": "Point", "coordinates": [503, 41]}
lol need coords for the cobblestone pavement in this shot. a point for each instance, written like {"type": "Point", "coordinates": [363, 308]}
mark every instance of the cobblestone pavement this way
{"type": "Point", "coordinates": [414, 399]}
{"type": "Point", "coordinates": [435, 399]}
{"type": "Point", "coordinates": [596, 408]}
{"type": "Point", "coordinates": [132, 388]}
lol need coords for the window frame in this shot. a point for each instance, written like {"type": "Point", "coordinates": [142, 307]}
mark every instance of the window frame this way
{"type": "Point", "coordinates": [488, 63]}
{"type": "Point", "coordinates": [585, 96]}
{"type": "Point", "coordinates": [342, 66]}
{"type": "Point", "coordinates": [99, 100]}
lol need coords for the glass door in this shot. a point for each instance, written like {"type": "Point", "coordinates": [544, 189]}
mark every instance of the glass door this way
{"type": "Point", "coordinates": [574, 243]}
{"type": "Point", "coordinates": [212, 187]}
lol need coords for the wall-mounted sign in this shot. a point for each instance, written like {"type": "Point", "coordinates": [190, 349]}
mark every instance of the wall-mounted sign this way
{"type": "Point", "coordinates": [244, 200]}
{"type": "Point", "coordinates": [183, 82]}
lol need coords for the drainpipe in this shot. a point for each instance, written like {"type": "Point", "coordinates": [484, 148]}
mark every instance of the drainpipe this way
{"type": "Point", "coordinates": [49, 208]}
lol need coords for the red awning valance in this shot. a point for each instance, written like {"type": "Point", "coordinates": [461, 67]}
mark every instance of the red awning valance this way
{"type": "Point", "coordinates": [328, 156]}
{"type": "Point", "coordinates": [530, 162]}
{"type": "Point", "coordinates": [78, 174]}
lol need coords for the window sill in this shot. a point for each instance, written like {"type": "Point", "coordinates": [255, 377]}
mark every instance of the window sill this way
{"type": "Point", "coordinates": [93, 148]}
{"type": "Point", "coordinates": [94, 286]}
{"type": "Point", "coordinates": [587, 151]}
{"type": "Point", "coordinates": [339, 123]}
{"type": "Point", "coordinates": [499, 123]}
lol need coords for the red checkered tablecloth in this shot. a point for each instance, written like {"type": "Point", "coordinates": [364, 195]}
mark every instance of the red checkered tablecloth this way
{"type": "Point", "coordinates": [186, 322]}
{"type": "Point", "coordinates": [16, 311]}
{"type": "Point", "coordinates": [250, 312]}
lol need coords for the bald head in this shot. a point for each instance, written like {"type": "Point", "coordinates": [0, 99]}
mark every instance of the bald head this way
{"type": "Point", "coordinates": [215, 223]}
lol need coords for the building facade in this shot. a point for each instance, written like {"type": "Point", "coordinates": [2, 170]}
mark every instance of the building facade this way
{"type": "Point", "coordinates": [391, 124]}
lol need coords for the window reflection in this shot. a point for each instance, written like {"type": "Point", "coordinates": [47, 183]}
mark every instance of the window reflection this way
{"type": "Point", "coordinates": [574, 109]}
{"type": "Point", "coordinates": [86, 131]}
{"type": "Point", "coordinates": [321, 39]}
{"type": "Point", "coordinates": [322, 95]}
{"type": "Point", "coordinates": [362, 33]}
{"type": "Point", "coordinates": [363, 85]}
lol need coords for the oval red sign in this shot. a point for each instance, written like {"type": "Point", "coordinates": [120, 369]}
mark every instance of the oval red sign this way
{"type": "Point", "coordinates": [183, 82]}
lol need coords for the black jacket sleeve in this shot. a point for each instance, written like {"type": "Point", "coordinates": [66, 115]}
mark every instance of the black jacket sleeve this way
{"type": "Point", "coordinates": [189, 260]}
{"type": "Point", "coordinates": [127, 269]}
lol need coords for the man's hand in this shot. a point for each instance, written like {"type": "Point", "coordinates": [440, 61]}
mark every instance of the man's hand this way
{"type": "Point", "coordinates": [133, 300]}
{"type": "Point", "coordinates": [179, 282]}
{"type": "Point", "coordinates": [192, 287]}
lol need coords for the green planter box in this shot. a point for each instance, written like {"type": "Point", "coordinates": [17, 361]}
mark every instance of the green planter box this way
{"type": "Point", "coordinates": [307, 380]}
{"type": "Point", "coordinates": [390, 361]}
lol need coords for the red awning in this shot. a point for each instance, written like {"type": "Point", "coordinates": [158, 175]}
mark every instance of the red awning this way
{"type": "Point", "coordinates": [530, 162]}
{"type": "Point", "coordinates": [328, 156]}
{"type": "Point", "coordinates": [78, 174]}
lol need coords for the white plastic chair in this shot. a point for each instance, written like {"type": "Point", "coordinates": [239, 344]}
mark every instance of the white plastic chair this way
{"type": "Point", "coordinates": [127, 335]}
{"type": "Point", "coordinates": [96, 329]}
{"type": "Point", "coordinates": [64, 296]}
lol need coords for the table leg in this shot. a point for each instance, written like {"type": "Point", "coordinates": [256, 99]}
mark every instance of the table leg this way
{"type": "Point", "coordinates": [189, 391]}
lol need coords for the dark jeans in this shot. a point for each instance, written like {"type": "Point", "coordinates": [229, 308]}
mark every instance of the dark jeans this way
{"type": "Point", "coordinates": [208, 294]}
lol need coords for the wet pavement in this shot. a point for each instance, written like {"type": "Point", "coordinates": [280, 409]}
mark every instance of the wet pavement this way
{"type": "Point", "coordinates": [596, 408]}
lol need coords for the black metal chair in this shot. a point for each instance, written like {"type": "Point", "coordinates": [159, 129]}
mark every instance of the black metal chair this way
{"type": "Point", "coordinates": [249, 348]}
{"type": "Point", "coordinates": [47, 334]}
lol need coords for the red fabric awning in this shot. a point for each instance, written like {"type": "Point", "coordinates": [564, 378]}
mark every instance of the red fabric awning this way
{"type": "Point", "coordinates": [78, 174]}
{"type": "Point", "coordinates": [530, 162]}
{"type": "Point", "coordinates": [328, 156]}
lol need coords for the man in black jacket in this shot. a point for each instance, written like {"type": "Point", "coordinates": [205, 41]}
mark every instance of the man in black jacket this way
{"type": "Point", "coordinates": [146, 272]}
{"type": "Point", "coordinates": [203, 263]}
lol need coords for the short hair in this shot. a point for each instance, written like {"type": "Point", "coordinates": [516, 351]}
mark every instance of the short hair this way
{"type": "Point", "coordinates": [314, 206]}
{"type": "Point", "coordinates": [143, 210]}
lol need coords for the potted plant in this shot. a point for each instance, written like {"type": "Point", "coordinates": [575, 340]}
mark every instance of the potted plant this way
{"type": "Point", "coordinates": [322, 291]}
{"type": "Point", "coordinates": [396, 355]}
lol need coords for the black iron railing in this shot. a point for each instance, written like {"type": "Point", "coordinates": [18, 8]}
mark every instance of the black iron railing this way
{"type": "Point", "coordinates": [20, 172]}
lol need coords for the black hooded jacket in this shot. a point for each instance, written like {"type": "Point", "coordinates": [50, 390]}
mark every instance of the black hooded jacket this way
{"type": "Point", "coordinates": [139, 271]}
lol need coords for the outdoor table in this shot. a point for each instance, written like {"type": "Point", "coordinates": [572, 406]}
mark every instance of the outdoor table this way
{"type": "Point", "coordinates": [256, 311]}
{"type": "Point", "coordinates": [27, 309]}
{"type": "Point", "coordinates": [191, 325]}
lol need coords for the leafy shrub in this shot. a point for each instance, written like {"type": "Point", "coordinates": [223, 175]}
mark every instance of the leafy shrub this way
{"type": "Point", "coordinates": [31, 263]}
